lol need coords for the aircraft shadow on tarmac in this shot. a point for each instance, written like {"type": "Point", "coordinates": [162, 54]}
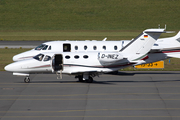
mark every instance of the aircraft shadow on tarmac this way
{"type": "Point", "coordinates": [141, 72]}
{"type": "Point", "coordinates": [69, 82]}
{"type": "Point", "coordinates": [110, 82]}
{"type": "Point", "coordinates": [115, 81]}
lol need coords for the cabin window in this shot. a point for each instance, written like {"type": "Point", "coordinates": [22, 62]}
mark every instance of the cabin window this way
{"type": "Point", "coordinates": [49, 48]}
{"type": "Point", "coordinates": [85, 47]}
{"type": "Point", "coordinates": [94, 47]}
{"type": "Point", "coordinates": [85, 56]}
{"type": "Point", "coordinates": [115, 47]}
{"type": "Point", "coordinates": [104, 47]}
{"type": "Point", "coordinates": [39, 57]}
{"type": "Point", "coordinates": [76, 56]}
{"type": "Point", "coordinates": [156, 45]}
{"type": "Point", "coordinates": [67, 57]}
{"type": "Point", "coordinates": [76, 47]}
{"type": "Point", "coordinates": [66, 47]}
{"type": "Point", "coordinates": [47, 58]}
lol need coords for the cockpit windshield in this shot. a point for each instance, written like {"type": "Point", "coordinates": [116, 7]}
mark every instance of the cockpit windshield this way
{"type": "Point", "coordinates": [47, 58]}
{"type": "Point", "coordinates": [39, 57]}
{"type": "Point", "coordinates": [41, 47]}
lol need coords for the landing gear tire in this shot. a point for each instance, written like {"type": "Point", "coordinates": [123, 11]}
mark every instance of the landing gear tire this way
{"type": "Point", "coordinates": [27, 80]}
{"type": "Point", "coordinates": [90, 80]}
{"type": "Point", "coordinates": [80, 78]}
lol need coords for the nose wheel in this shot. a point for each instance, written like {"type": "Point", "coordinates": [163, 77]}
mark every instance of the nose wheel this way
{"type": "Point", "coordinates": [27, 80]}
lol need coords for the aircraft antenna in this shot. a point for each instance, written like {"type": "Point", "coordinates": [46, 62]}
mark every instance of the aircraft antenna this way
{"type": "Point", "coordinates": [104, 39]}
{"type": "Point", "coordinates": [165, 27]}
{"type": "Point", "coordinates": [159, 26]}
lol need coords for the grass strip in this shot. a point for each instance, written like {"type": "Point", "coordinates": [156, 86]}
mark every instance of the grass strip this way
{"type": "Point", "coordinates": [71, 35]}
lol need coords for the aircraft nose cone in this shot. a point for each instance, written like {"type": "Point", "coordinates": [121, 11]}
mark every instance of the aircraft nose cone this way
{"type": "Point", "coordinates": [25, 55]}
{"type": "Point", "coordinates": [13, 67]}
{"type": "Point", "coordinates": [14, 58]}
{"type": "Point", "coordinates": [8, 67]}
{"type": "Point", "coordinates": [17, 58]}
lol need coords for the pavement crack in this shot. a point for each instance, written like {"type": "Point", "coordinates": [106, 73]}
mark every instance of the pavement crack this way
{"type": "Point", "coordinates": [86, 103]}
{"type": "Point", "coordinates": [165, 105]}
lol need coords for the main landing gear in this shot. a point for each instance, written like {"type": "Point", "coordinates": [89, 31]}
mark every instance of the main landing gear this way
{"type": "Point", "coordinates": [27, 79]}
{"type": "Point", "coordinates": [90, 80]}
{"type": "Point", "coordinates": [81, 79]}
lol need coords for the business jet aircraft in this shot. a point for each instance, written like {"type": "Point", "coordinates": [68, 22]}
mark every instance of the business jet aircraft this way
{"type": "Point", "coordinates": [86, 65]}
{"type": "Point", "coordinates": [87, 46]}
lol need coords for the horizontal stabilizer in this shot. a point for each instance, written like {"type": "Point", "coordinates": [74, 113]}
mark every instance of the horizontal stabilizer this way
{"type": "Point", "coordinates": [174, 55]}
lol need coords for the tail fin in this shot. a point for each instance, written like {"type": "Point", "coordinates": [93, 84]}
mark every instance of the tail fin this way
{"type": "Point", "coordinates": [171, 46]}
{"type": "Point", "coordinates": [167, 43]}
{"type": "Point", "coordinates": [143, 43]}
{"type": "Point", "coordinates": [177, 36]}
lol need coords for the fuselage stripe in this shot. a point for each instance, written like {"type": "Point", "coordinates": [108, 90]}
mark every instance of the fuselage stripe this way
{"type": "Point", "coordinates": [75, 65]}
{"type": "Point", "coordinates": [109, 66]}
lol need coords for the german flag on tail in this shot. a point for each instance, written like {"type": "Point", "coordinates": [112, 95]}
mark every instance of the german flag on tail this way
{"type": "Point", "coordinates": [145, 36]}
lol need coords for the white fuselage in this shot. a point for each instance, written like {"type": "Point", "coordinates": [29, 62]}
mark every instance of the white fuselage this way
{"type": "Point", "coordinates": [93, 46]}
{"type": "Point", "coordinates": [73, 46]}
{"type": "Point", "coordinates": [74, 63]}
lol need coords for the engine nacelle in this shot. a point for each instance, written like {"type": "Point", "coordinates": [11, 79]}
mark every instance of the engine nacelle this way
{"type": "Point", "coordinates": [109, 58]}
